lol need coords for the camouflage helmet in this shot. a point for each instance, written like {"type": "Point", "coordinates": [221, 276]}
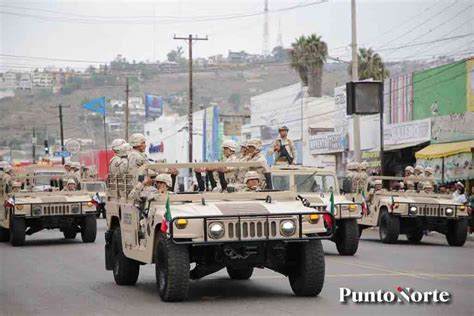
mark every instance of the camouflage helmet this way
{"type": "Point", "coordinates": [356, 165]}
{"type": "Point", "coordinates": [16, 184]}
{"type": "Point", "coordinates": [409, 169]}
{"type": "Point", "coordinates": [283, 128]}
{"type": "Point", "coordinates": [71, 181]}
{"type": "Point", "coordinates": [429, 170]}
{"type": "Point", "coordinates": [255, 142]}
{"type": "Point", "coordinates": [117, 143]}
{"type": "Point", "coordinates": [124, 150]}
{"type": "Point", "coordinates": [68, 164]}
{"type": "Point", "coordinates": [150, 173]}
{"type": "Point", "coordinates": [410, 185]}
{"type": "Point", "coordinates": [243, 144]}
{"type": "Point", "coordinates": [7, 169]}
{"type": "Point", "coordinates": [378, 182]}
{"type": "Point", "coordinates": [419, 168]}
{"type": "Point", "coordinates": [351, 166]}
{"type": "Point", "coordinates": [427, 185]}
{"type": "Point", "coordinates": [251, 175]}
{"type": "Point", "coordinates": [76, 165]}
{"type": "Point", "coordinates": [364, 165]}
{"type": "Point", "coordinates": [136, 139]}
{"type": "Point", "coordinates": [166, 178]}
{"type": "Point", "coordinates": [229, 143]}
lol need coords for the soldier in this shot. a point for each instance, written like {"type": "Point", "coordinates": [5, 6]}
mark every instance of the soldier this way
{"type": "Point", "coordinates": [284, 148]}
{"type": "Point", "coordinates": [419, 173]}
{"type": "Point", "coordinates": [7, 178]}
{"type": "Point", "coordinates": [76, 172]}
{"type": "Point", "coordinates": [254, 147]}
{"type": "Point", "coordinates": [428, 187]}
{"type": "Point", "coordinates": [116, 144]}
{"type": "Point", "coordinates": [363, 175]}
{"type": "Point", "coordinates": [410, 186]}
{"type": "Point", "coordinates": [71, 185]}
{"type": "Point", "coordinates": [243, 151]}
{"type": "Point", "coordinates": [163, 182]}
{"type": "Point", "coordinates": [429, 175]}
{"type": "Point", "coordinates": [252, 181]}
{"type": "Point", "coordinates": [356, 177]}
{"type": "Point", "coordinates": [143, 190]}
{"type": "Point", "coordinates": [377, 188]}
{"type": "Point", "coordinates": [137, 157]}
{"type": "Point", "coordinates": [16, 186]}
{"type": "Point", "coordinates": [229, 147]}
{"type": "Point", "coordinates": [119, 166]}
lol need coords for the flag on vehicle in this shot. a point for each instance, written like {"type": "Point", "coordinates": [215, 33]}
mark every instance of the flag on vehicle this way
{"type": "Point", "coordinates": [167, 217]}
{"type": "Point", "coordinates": [392, 205]}
{"type": "Point", "coordinates": [332, 207]}
{"type": "Point", "coordinates": [96, 199]}
{"type": "Point", "coordinates": [364, 204]}
{"type": "Point", "coordinates": [10, 202]}
{"type": "Point", "coordinates": [96, 105]}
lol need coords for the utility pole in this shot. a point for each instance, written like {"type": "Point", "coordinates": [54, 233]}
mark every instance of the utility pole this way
{"type": "Point", "coordinates": [355, 77]}
{"type": "Point", "coordinates": [61, 129]}
{"type": "Point", "coordinates": [190, 40]}
{"type": "Point", "coordinates": [33, 141]}
{"type": "Point", "coordinates": [127, 90]}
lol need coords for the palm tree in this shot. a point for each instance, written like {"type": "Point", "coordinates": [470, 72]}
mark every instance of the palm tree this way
{"type": "Point", "coordinates": [371, 65]}
{"type": "Point", "coordinates": [308, 56]}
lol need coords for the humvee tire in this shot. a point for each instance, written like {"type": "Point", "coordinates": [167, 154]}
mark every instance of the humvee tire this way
{"type": "Point", "coordinates": [415, 236]}
{"type": "Point", "coordinates": [4, 234]}
{"type": "Point", "coordinates": [171, 269]}
{"type": "Point", "coordinates": [70, 233]}
{"type": "Point", "coordinates": [347, 237]}
{"type": "Point", "coordinates": [307, 278]}
{"type": "Point", "coordinates": [389, 228]}
{"type": "Point", "coordinates": [89, 228]}
{"type": "Point", "coordinates": [125, 270]}
{"type": "Point", "coordinates": [457, 232]}
{"type": "Point", "coordinates": [240, 274]}
{"type": "Point", "coordinates": [17, 231]}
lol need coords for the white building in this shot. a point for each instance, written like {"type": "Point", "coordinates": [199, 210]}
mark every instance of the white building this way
{"type": "Point", "coordinates": [42, 79]}
{"type": "Point", "coordinates": [25, 82]}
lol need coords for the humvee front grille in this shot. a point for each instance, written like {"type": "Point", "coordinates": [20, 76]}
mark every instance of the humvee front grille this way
{"type": "Point", "coordinates": [56, 209]}
{"type": "Point", "coordinates": [432, 210]}
{"type": "Point", "coordinates": [255, 228]}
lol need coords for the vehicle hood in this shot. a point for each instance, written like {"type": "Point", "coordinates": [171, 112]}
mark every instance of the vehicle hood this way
{"type": "Point", "coordinates": [324, 198]}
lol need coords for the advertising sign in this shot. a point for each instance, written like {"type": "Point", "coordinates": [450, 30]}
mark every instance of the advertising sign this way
{"type": "Point", "coordinates": [452, 128]}
{"type": "Point", "coordinates": [153, 106]}
{"type": "Point", "coordinates": [327, 143]}
{"type": "Point", "coordinates": [407, 132]}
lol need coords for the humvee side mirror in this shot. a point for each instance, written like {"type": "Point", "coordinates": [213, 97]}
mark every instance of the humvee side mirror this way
{"type": "Point", "coordinates": [268, 181]}
{"type": "Point", "coordinates": [346, 185]}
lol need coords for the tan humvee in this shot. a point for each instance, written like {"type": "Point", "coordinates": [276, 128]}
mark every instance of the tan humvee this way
{"type": "Point", "coordinates": [413, 213]}
{"type": "Point", "coordinates": [31, 210]}
{"type": "Point", "coordinates": [99, 188]}
{"type": "Point", "coordinates": [314, 186]}
{"type": "Point", "coordinates": [238, 231]}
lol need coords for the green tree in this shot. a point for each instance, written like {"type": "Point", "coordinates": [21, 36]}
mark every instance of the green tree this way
{"type": "Point", "coordinates": [176, 55]}
{"type": "Point", "coordinates": [371, 65]}
{"type": "Point", "coordinates": [308, 55]}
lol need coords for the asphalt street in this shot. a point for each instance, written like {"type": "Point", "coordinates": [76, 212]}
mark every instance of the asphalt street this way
{"type": "Point", "coordinates": [52, 276]}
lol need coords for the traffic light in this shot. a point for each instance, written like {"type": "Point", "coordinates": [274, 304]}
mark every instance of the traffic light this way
{"type": "Point", "coordinates": [46, 147]}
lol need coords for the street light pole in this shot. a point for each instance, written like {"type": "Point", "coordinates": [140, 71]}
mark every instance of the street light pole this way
{"type": "Point", "coordinates": [355, 77]}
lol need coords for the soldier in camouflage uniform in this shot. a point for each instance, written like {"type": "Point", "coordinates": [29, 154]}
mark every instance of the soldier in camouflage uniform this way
{"type": "Point", "coordinates": [355, 177]}
{"type": "Point", "coordinates": [76, 172]}
{"type": "Point", "coordinates": [229, 147]}
{"type": "Point", "coordinates": [429, 175]}
{"type": "Point", "coordinates": [143, 190]}
{"type": "Point", "coordinates": [284, 141]}
{"type": "Point", "coordinates": [120, 166]}
{"type": "Point", "coordinates": [419, 173]}
{"type": "Point", "coordinates": [71, 185]}
{"type": "Point", "coordinates": [7, 178]}
{"type": "Point", "coordinates": [254, 148]}
{"type": "Point", "coordinates": [363, 175]}
{"type": "Point", "coordinates": [251, 181]}
{"type": "Point", "coordinates": [116, 144]}
{"type": "Point", "coordinates": [137, 157]}
{"type": "Point", "coordinates": [243, 151]}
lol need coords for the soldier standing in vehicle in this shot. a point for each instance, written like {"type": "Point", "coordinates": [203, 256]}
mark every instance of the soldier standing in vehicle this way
{"type": "Point", "coordinates": [356, 178]}
{"type": "Point", "coordinates": [284, 148]}
{"type": "Point", "coordinates": [254, 148]}
{"type": "Point", "coordinates": [363, 176]}
{"type": "Point", "coordinates": [116, 144]}
{"type": "Point", "coordinates": [243, 151]}
{"type": "Point", "coordinates": [229, 147]}
{"type": "Point", "coordinates": [137, 157]}
{"type": "Point", "coordinates": [429, 175]}
{"type": "Point", "coordinates": [377, 188]}
{"type": "Point", "coordinates": [76, 172]}
{"type": "Point", "coordinates": [419, 173]}
{"type": "Point", "coordinates": [252, 181]}
{"type": "Point", "coordinates": [120, 165]}
{"type": "Point", "coordinates": [7, 178]}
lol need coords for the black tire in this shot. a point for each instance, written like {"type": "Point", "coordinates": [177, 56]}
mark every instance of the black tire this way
{"type": "Point", "coordinates": [240, 274]}
{"type": "Point", "coordinates": [457, 232]}
{"type": "Point", "coordinates": [171, 270]}
{"type": "Point", "coordinates": [104, 214]}
{"type": "Point", "coordinates": [89, 228]}
{"type": "Point", "coordinates": [17, 231]}
{"type": "Point", "coordinates": [415, 236]}
{"type": "Point", "coordinates": [389, 228]}
{"type": "Point", "coordinates": [360, 230]}
{"type": "Point", "coordinates": [70, 233]}
{"type": "Point", "coordinates": [347, 237]}
{"type": "Point", "coordinates": [4, 235]}
{"type": "Point", "coordinates": [125, 270]}
{"type": "Point", "coordinates": [307, 278]}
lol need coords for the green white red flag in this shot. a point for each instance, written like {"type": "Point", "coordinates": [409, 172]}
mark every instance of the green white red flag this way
{"type": "Point", "coordinates": [165, 222]}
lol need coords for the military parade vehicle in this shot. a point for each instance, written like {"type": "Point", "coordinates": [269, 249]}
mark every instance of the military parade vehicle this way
{"type": "Point", "coordinates": [98, 192]}
{"type": "Point", "coordinates": [317, 187]}
{"type": "Point", "coordinates": [413, 214]}
{"type": "Point", "coordinates": [29, 210]}
{"type": "Point", "coordinates": [238, 231]}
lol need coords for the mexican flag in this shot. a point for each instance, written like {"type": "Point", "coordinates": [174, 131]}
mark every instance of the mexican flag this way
{"type": "Point", "coordinates": [392, 205]}
{"type": "Point", "coordinates": [11, 202]}
{"type": "Point", "coordinates": [167, 217]}
{"type": "Point", "coordinates": [364, 204]}
{"type": "Point", "coordinates": [331, 205]}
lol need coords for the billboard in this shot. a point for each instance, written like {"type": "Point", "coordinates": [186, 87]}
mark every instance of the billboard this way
{"type": "Point", "coordinates": [153, 105]}
{"type": "Point", "coordinates": [440, 91]}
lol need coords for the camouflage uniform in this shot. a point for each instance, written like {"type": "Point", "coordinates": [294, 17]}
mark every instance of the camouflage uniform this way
{"type": "Point", "coordinates": [7, 179]}
{"type": "Point", "coordinates": [250, 175]}
{"type": "Point", "coordinates": [114, 162]}
{"type": "Point", "coordinates": [290, 148]}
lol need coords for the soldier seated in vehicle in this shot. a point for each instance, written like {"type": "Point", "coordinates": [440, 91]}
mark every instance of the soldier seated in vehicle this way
{"type": "Point", "coordinates": [71, 185]}
{"type": "Point", "coordinates": [428, 187]}
{"type": "Point", "coordinates": [410, 187]}
{"type": "Point", "coordinates": [16, 186]}
{"type": "Point", "coordinates": [377, 188]}
{"type": "Point", "coordinates": [252, 182]}
{"type": "Point", "coordinates": [144, 189]}
{"type": "Point", "coordinates": [163, 182]}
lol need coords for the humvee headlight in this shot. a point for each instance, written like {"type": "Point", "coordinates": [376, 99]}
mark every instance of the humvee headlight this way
{"type": "Point", "coordinates": [449, 211]}
{"type": "Point", "coordinates": [413, 210]}
{"type": "Point", "coordinates": [397, 205]}
{"type": "Point", "coordinates": [462, 207]}
{"type": "Point", "coordinates": [287, 228]}
{"type": "Point", "coordinates": [352, 207]}
{"type": "Point", "coordinates": [75, 209]}
{"type": "Point", "coordinates": [19, 207]}
{"type": "Point", "coordinates": [216, 230]}
{"type": "Point", "coordinates": [36, 211]}
{"type": "Point", "coordinates": [313, 218]}
{"type": "Point", "coordinates": [90, 204]}
{"type": "Point", "coordinates": [181, 223]}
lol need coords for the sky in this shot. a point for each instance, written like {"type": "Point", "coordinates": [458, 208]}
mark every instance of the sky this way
{"type": "Point", "coordinates": [96, 31]}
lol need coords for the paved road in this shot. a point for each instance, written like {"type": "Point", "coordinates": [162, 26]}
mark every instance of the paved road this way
{"type": "Point", "coordinates": [52, 276]}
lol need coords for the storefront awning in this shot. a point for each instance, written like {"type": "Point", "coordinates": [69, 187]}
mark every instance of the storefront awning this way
{"type": "Point", "coordinates": [401, 146]}
{"type": "Point", "coordinates": [444, 150]}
